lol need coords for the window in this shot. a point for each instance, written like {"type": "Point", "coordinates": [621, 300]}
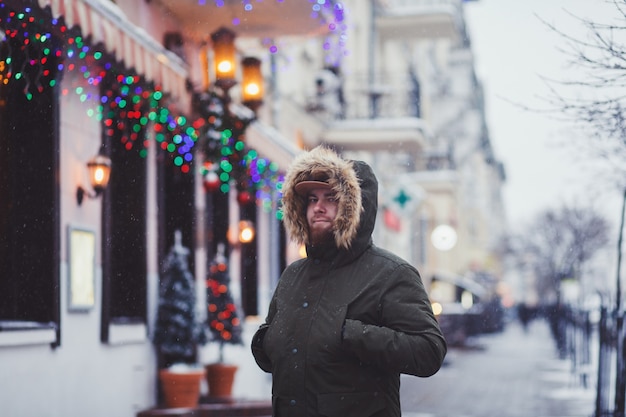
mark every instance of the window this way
{"type": "Point", "coordinates": [29, 206]}
{"type": "Point", "coordinates": [176, 207]}
{"type": "Point", "coordinates": [125, 226]}
{"type": "Point", "coordinates": [124, 246]}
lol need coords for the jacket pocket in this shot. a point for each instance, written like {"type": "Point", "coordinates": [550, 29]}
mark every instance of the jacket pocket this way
{"type": "Point", "coordinates": [324, 345]}
{"type": "Point", "coordinates": [352, 404]}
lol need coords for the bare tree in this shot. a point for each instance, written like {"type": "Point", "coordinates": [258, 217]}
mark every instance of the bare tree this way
{"type": "Point", "coordinates": [558, 243]}
{"type": "Point", "coordinates": [596, 101]}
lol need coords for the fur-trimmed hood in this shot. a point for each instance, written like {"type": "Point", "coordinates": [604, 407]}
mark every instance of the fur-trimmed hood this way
{"type": "Point", "coordinates": [355, 187]}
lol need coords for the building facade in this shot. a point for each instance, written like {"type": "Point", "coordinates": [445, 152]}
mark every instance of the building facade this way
{"type": "Point", "coordinates": [402, 93]}
{"type": "Point", "coordinates": [133, 81]}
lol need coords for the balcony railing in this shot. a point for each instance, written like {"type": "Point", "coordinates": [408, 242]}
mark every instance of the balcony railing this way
{"type": "Point", "coordinates": [367, 96]}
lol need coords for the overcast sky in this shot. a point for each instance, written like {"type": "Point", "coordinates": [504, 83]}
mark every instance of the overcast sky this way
{"type": "Point", "coordinates": [513, 49]}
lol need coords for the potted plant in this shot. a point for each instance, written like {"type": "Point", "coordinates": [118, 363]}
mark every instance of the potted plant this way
{"type": "Point", "coordinates": [178, 332]}
{"type": "Point", "coordinates": [224, 326]}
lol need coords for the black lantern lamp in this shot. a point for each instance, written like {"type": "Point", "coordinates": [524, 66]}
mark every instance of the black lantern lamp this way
{"type": "Point", "coordinates": [99, 169]}
{"type": "Point", "coordinates": [252, 83]}
{"type": "Point", "coordinates": [225, 69]}
{"type": "Point", "coordinates": [224, 58]}
{"type": "Point", "coordinates": [242, 234]}
{"type": "Point", "coordinates": [246, 231]}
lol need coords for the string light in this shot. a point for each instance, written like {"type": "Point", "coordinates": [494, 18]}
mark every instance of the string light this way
{"type": "Point", "coordinates": [130, 104]}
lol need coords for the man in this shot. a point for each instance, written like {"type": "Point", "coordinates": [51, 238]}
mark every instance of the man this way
{"type": "Point", "coordinates": [345, 322]}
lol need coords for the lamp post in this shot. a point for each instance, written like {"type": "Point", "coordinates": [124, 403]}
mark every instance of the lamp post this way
{"type": "Point", "coordinates": [225, 70]}
{"type": "Point", "coordinates": [224, 149]}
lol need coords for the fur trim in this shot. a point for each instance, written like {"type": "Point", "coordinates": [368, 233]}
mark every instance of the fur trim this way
{"type": "Point", "coordinates": [322, 162]}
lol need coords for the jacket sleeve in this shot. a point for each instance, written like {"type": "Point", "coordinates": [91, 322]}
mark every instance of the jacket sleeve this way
{"type": "Point", "coordinates": [408, 338]}
{"type": "Point", "coordinates": [258, 350]}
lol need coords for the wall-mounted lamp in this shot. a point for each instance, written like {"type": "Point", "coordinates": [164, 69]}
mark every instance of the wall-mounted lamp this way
{"type": "Point", "coordinates": [246, 231]}
{"type": "Point", "coordinates": [99, 169]}
{"type": "Point", "coordinates": [244, 234]}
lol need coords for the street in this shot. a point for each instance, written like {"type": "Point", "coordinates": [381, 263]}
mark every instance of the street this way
{"type": "Point", "coordinates": [508, 374]}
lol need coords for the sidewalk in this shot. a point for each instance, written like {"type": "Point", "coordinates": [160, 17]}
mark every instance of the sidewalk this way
{"type": "Point", "coordinates": [508, 374]}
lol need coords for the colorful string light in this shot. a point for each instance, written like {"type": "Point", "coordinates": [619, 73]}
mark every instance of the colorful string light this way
{"type": "Point", "coordinates": [130, 104]}
{"type": "Point", "coordinates": [228, 157]}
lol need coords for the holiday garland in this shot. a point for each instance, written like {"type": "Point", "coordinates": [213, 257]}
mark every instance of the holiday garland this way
{"type": "Point", "coordinates": [228, 159]}
{"type": "Point", "coordinates": [130, 103]}
{"type": "Point", "coordinates": [125, 108]}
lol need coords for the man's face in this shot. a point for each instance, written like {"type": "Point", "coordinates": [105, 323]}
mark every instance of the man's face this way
{"type": "Point", "coordinates": [320, 214]}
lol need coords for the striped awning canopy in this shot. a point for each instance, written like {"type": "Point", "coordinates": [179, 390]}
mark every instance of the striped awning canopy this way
{"type": "Point", "coordinates": [255, 19]}
{"type": "Point", "coordinates": [105, 23]}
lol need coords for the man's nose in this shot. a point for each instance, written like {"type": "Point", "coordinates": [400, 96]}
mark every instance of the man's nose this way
{"type": "Point", "coordinates": [318, 206]}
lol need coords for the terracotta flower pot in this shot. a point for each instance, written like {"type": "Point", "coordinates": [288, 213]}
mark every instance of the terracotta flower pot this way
{"type": "Point", "coordinates": [181, 388]}
{"type": "Point", "coordinates": [220, 378]}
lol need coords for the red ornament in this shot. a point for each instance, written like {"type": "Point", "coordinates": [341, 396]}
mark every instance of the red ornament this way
{"type": "Point", "coordinates": [244, 197]}
{"type": "Point", "coordinates": [211, 181]}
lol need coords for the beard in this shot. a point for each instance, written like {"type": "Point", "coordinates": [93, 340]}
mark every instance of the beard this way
{"type": "Point", "coordinates": [320, 236]}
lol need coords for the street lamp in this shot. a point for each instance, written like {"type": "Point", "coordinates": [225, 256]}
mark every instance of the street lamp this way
{"type": "Point", "coordinates": [225, 70]}
{"type": "Point", "coordinates": [444, 237]}
{"type": "Point", "coordinates": [252, 80]}
{"type": "Point", "coordinates": [224, 151]}
{"type": "Point", "coordinates": [224, 58]}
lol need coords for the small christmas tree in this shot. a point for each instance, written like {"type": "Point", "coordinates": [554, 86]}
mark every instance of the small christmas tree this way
{"type": "Point", "coordinates": [177, 332]}
{"type": "Point", "coordinates": [222, 318]}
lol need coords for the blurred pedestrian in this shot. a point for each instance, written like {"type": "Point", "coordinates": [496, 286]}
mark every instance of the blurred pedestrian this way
{"type": "Point", "coordinates": [524, 313]}
{"type": "Point", "coordinates": [557, 317]}
{"type": "Point", "coordinates": [346, 321]}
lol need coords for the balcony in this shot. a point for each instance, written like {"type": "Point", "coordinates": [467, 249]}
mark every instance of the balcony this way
{"type": "Point", "coordinates": [419, 19]}
{"type": "Point", "coordinates": [382, 95]}
{"type": "Point", "coordinates": [397, 136]}
{"type": "Point", "coordinates": [378, 115]}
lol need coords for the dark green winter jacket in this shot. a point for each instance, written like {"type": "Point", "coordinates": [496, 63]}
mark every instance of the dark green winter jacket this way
{"type": "Point", "coordinates": [346, 321]}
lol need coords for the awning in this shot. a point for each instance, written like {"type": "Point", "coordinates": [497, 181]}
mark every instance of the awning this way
{"type": "Point", "coordinates": [107, 24]}
{"type": "Point", "coordinates": [256, 18]}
